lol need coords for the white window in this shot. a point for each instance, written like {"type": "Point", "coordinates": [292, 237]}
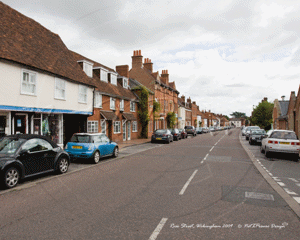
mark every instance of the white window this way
{"type": "Point", "coordinates": [88, 68]}
{"type": "Point", "coordinates": [112, 103]}
{"type": "Point", "coordinates": [113, 79]}
{"type": "Point", "coordinates": [121, 104]}
{"type": "Point", "coordinates": [103, 75]}
{"type": "Point", "coordinates": [28, 85]}
{"type": "Point", "coordinates": [98, 100]}
{"type": "Point", "coordinates": [82, 98]}
{"type": "Point", "coordinates": [125, 82]}
{"type": "Point", "coordinates": [134, 126]}
{"type": "Point", "coordinates": [103, 126]}
{"type": "Point", "coordinates": [132, 106]}
{"type": "Point", "coordinates": [60, 89]}
{"type": "Point", "coordinates": [117, 127]}
{"type": "Point", "coordinates": [92, 126]}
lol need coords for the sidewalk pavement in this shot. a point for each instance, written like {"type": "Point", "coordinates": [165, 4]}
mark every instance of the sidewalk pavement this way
{"type": "Point", "coordinates": [125, 144]}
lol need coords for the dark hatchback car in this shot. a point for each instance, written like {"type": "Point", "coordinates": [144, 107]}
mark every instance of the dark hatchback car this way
{"type": "Point", "coordinates": [256, 136]}
{"type": "Point", "coordinates": [26, 155]}
{"type": "Point", "coordinates": [190, 130]}
{"type": "Point", "coordinates": [176, 134]}
{"type": "Point", "coordinates": [183, 133]}
{"type": "Point", "coordinates": [164, 135]}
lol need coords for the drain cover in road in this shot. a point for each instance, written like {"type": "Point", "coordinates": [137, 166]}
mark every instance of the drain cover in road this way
{"type": "Point", "coordinates": [253, 196]}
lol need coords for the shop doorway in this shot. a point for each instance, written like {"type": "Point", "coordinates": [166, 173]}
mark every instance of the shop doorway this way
{"type": "Point", "coordinates": [20, 126]}
{"type": "Point", "coordinates": [2, 125]}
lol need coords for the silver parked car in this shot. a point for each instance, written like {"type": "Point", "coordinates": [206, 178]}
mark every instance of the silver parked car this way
{"type": "Point", "coordinates": [247, 132]}
{"type": "Point", "coordinates": [282, 141]}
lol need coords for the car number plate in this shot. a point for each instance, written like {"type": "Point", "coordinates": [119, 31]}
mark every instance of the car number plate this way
{"type": "Point", "coordinates": [77, 147]}
{"type": "Point", "coordinates": [158, 138]}
{"type": "Point", "coordinates": [286, 143]}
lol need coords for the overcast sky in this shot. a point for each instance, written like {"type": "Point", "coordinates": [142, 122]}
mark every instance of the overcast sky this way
{"type": "Point", "coordinates": [226, 55]}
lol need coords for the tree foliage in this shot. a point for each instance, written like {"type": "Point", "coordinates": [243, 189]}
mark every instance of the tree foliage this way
{"type": "Point", "coordinates": [262, 115]}
{"type": "Point", "coordinates": [238, 114]}
{"type": "Point", "coordinates": [143, 111]}
{"type": "Point", "coordinates": [171, 119]}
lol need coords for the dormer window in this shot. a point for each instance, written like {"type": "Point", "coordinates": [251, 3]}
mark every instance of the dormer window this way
{"type": "Point", "coordinates": [87, 67]}
{"type": "Point", "coordinates": [125, 83]}
{"type": "Point", "coordinates": [113, 78]}
{"type": "Point", "coordinates": [103, 75]}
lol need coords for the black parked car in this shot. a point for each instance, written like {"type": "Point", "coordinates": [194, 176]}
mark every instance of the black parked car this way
{"type": "Point", "coordinates": [25, 155]}
{"type": "Point", "coordinates": [176, 134]}
{"type": "Point", "coordinates": [256, 136]}
{"type": "Point", "coordinates": [164, 135]}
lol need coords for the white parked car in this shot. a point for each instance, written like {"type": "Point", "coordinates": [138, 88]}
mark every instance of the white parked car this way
{"type": "Point", "coordinates": [282, 141]}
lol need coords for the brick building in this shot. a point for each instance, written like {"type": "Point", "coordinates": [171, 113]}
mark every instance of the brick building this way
{"type": "Point", "coordinates": [164, 91]}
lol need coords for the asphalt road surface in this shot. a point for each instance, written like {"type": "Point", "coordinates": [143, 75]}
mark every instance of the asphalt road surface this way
{"type": "Point", "coordinates": [203, 187]}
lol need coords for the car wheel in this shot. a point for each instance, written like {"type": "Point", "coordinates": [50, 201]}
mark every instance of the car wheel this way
{"type": "Point", "coordinates": [267, 153]}
{"type": "Point", "coordinates": [250, 142]}
{"type": "Point", "coordinates": [96, 157]}
{"type": "Point", "coordinates": [62, 165]}
{"type": "Point", "coordinates": [116, 152]}
{"type": "Point", "coordinates": [11, 177]}
{"type": "Point", "coordinates": [168, 141]}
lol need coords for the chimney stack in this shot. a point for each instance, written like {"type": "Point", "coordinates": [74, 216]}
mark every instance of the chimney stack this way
{"type": "Point", "coordinates": [183, 98]}
{"type": "Point", "coordinates": [165, 77]}
{"type": "Point", "coordinates": [123, 70]}
{"type": "Point", "coordinates": [137, 59]}
{"type": "Point", "coordinates": [282, 98]}
{"type": "Point", "coordinates": [189, 100]}
{"type": "Point", "coordinates": [148, 64]}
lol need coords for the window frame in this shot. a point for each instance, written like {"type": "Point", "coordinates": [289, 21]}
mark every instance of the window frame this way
{"type": "Point", "coordinates": [80, 94]}
{"type": "Point", "coordinates": [30, 73]}
{"type": "Point", "coordinates": [104, 73]}
{"type": "Point", "coordinates": [132, 106]}
{"type": "Point", "coordinates": [100, 100]}
{"type": "Point", "coordinates": [122, 104]}
{"type": "Point", "coordinates": [92, 126]}
{"type": "Point", "coordinates": [134, 126]}
{"type": "Point", "coordinates": [117, 127]}
{"type": "Point", "coordinates": [114, 79]}
{"type": "Point", "coordinates": [57, 89]}
{"type": "Point", "coordinates": [112, 106]}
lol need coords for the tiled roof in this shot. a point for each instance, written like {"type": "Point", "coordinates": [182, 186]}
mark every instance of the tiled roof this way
{"type": "Point", "coordinates": [129, 116]}
{"type": "Point", "coordinates": [25, 41]}
{"type": "Point", "coordinates": [284, 106]}
{"type": "Point", "coordinates": [135, 84]}
{"type": "Point", "coordinates": [106, 87]}
{"type": "Point", "coordinates": [109, 115]}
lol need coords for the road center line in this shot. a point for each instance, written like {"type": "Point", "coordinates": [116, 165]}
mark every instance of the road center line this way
{"type": "Point", "coordinates": [211, 148]}
{"type": "Point", "coordinates": [187, 183]}
{"type": "Point", "coordinates": [158, 229]}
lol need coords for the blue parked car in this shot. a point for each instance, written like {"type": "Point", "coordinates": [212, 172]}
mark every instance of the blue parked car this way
{"type": "Point", "coordinates": [91, 146]}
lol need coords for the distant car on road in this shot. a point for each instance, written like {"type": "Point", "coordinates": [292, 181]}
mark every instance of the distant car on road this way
{"type": "Point", "coordinates": [205, 130]}
{"type": "Point", "coordinates": [91, 146]}
{"type": "Point", "coordinates": [164, 135]}
{"type": "Point", "coordinates": [190, 130]}
{"type": "Point", "coordinates": [199, 130]}
{"type": "Point", "coordinates": [282, 141]}
{"type": "Point", "coordinates": [26, 155]}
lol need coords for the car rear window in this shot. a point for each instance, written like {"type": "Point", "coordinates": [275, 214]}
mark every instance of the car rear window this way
{"type": "Point", "coordinates": [160, 131]}
{"type": "Point", "coordinates": [81, 138]}
{"type": "Point", "coordinates": [284, 135]}
{"type": "Point", "coordinates": [188, 127]}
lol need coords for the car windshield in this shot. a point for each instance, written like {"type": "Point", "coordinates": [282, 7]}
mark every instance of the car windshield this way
{"type": "Point", "coordinates": [160, 131]}
{"type": "Point", "coordinates": [283, 135]}
{"type": "Point", "coordinates": [188, 127]}
{"type": "Point", "coordinates": [10, 145]}
{"type": "Point", "coordinates": [258, 132]}
{"type": "Point", "coordinates": [180, 130]}
{"type": "Point", "coordinates": [81, 139]}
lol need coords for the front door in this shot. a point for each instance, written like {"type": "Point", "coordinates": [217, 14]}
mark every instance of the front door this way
{"type": "Point", "coordinates": [2, 125]}
{"type": "Point", "coordinates": [124, 131]}
{"type": "Point", "coordinates": [128, 130]}
{"type": "Point", "coordinates": [20, 124]}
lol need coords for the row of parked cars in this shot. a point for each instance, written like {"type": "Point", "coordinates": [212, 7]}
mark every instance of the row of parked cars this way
{"type": "Point", "coordinates": [273, 141]}
{"type": "Point", "coordinates": [27, 155]}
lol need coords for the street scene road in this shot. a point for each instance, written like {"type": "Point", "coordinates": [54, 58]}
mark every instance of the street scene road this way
{"type": "Point", "coordinates": [203, 187]}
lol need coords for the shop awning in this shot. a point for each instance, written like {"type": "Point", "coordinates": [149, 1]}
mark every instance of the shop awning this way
{"type": "Point", "coordinates": [109, 115]}
{"type": "Point", "coordinates": [129, 117]}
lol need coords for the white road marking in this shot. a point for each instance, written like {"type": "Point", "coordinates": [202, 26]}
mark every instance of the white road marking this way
{"type": "Point", "coordinates": [298, 184]}
{"type": "Point", "coordinates": [281, 184]}
{"type": "Point", "coordinates": [187, 183]}
{"type": "Point", "coordinates": [297, 199]}
{"type": "Point", "coordinates": [211, 148]}
{"type": "Point", "coordinates": [289, 191]}
{"type": "Point", "coordinates": [205, 157]}
{"type": "Point", "coordinates": [294, 180]}
{"type": "Point", "coordinates": [277, 179]}
{"type": "Point", "coordinates": [270, 174]}
{"type": "Point", "coordinates": [158, 229]}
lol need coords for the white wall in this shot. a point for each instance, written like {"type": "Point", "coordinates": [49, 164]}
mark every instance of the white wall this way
{"type": "Point", "coordinates": [10, 91]}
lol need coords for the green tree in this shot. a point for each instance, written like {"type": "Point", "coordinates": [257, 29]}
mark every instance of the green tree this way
{"type": "Point", "coordinates": [143, 111]}
{"type": "Point", "coordinates": [171, 119]}
{"type": "Point", "coordinates": [262, 115]}
{"type": "Point", "coordinates": [238, 114]}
